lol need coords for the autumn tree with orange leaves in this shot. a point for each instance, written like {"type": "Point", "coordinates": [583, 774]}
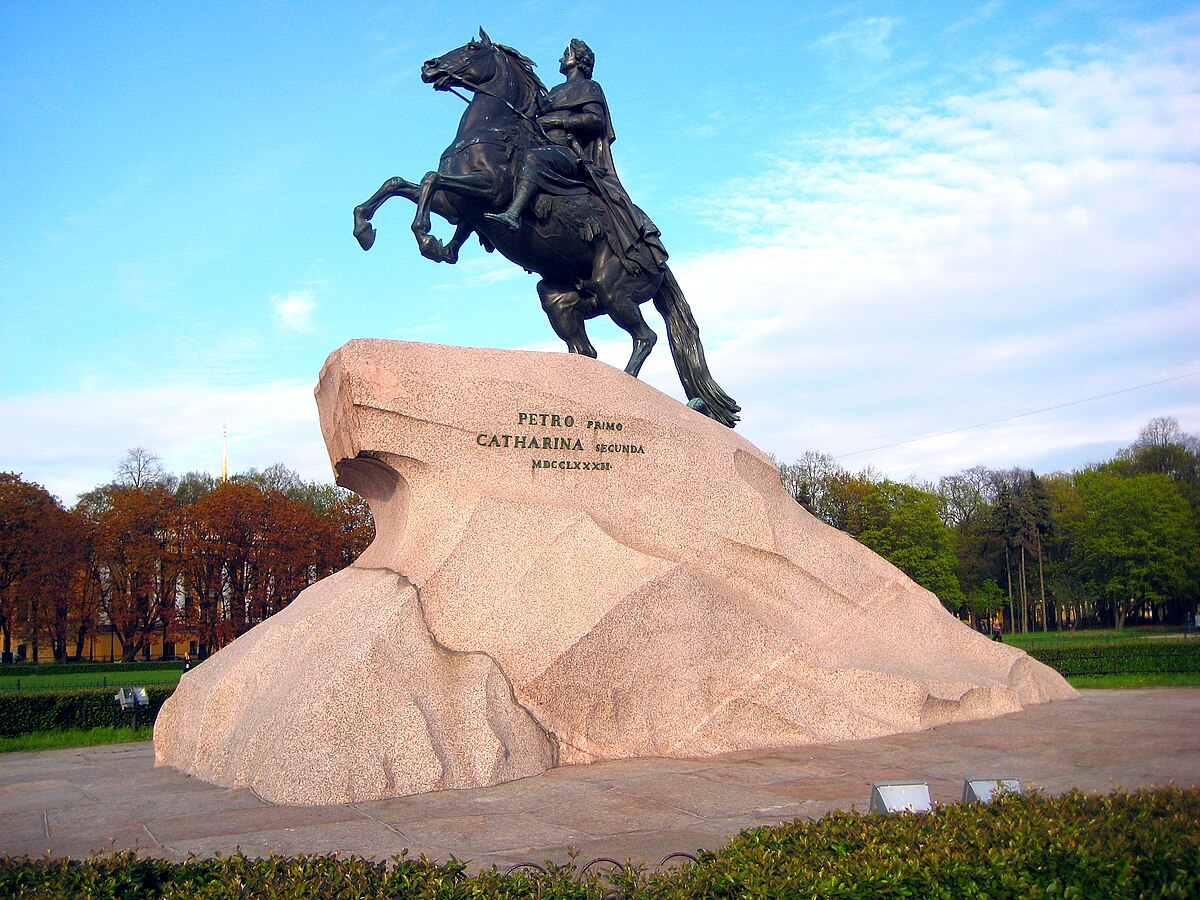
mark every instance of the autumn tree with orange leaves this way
{"type": "Point", "coordinates": [41, 546]}
{"type": "Point", "coordinates": [155, 554]}
{"type": "Point", "coordinates": [135, 561]}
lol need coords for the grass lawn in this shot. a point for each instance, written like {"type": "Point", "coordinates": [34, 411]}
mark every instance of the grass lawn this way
{"type": "Point", "coordinates": [79, 737]}
{"type": "Point", "coordinates": [1094, 636]}
{"type": "Point", "coordinates": [1172, 679]}
{"type": "Point", "coordinates": [1128, 639]}
{"type": "Point", "coordinates": [52, 681]}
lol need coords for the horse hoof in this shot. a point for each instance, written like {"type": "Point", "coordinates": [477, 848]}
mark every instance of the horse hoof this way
{"type": "Point", "coordinates": [366, 235]}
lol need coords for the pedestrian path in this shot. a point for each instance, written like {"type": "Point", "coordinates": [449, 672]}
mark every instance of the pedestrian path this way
{"type": "Point", "coordinates": [73, 802]}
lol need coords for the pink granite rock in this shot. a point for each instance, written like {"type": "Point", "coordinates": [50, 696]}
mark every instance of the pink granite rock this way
{"type": "Point", "coordinates": [570, 566]}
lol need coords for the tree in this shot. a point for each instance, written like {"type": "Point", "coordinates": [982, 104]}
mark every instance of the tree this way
{"type": "Point", "coordinates": [966, 497]}
{"type": "Point", "coordinates": [248, 552]}
{"type": "Point", "coordinates": [192, 486]}
{"type": "Point", "coordinates": [1137, 543]}
{"type": "Point", "coordinates": [902, 524]}
{"type": "Point", "coordinates": [1036, 506]}
{"type": "Point", "coordinates": [353, 530]}
{"type": "Point", "coordinates": [135, 562]}
{"type": "Point", "coordinates": [984, 601]}
{"type": "Point", "coordinates": [1065, 504]}
{"type": "Point", "coordinates": [53, 605]}
{"type": "Point", "coordinates": [225, 531]}
{"type": "Point", "coordinates": [276, 477]}
{"type": "Point", "coordinates": [37, 553]}
{"type": "Point", "coordinates": [967, 506]}
{"type": "Point", "coordinates": [809, 479]}
{"type": "Point", "coordinates": [139, 468]}
{"type": "Point", "coordinates": [1163, 447]}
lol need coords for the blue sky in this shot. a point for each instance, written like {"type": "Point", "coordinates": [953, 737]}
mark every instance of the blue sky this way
{"type": "Point", "coordinates": [892, 220]}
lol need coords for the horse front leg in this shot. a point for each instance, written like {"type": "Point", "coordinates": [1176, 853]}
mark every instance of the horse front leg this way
{"type": "Point", "coordinates": [450, 251]}
{"type": "Point", "coordinates": [393, 187]}
{"type": "Point", "coordinates": [431, 247]}
{"type": "Point", "coordinates": [473, 185]}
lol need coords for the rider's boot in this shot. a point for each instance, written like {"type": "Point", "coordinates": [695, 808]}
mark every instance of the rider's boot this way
{"type": "Point", "coordinates": [511, 217]}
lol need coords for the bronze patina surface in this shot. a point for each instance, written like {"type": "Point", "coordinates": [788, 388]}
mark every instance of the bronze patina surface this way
{"type": "Point", "coordinates": [531, 172]}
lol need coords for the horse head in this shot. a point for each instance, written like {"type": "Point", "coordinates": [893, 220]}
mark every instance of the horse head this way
{"type": "Point", "coordinates": [482, 62]}
{"type": "Point", "coordinates": [469, 66]}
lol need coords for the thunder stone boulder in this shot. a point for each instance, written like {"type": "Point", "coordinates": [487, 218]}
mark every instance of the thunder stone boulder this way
{"type": "Point", "coordinates": [570, 566]}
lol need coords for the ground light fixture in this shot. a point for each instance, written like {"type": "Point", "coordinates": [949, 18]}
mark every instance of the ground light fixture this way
{"type": "Point", "coordinates": [900, 796]}
{"type": "Point", "coordinates": [983, 790]}
{"type": "Point", "coordinates": [131, 700]}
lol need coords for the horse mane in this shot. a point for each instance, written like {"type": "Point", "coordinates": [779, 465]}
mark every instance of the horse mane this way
{"type": "Point", "coordinates": [531, 85]}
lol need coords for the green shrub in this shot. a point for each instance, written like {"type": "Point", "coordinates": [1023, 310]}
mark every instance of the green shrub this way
{"type": "Point", "coordinates": [31, 670]}
{"type": "Point", "coordinates": [52, 710]}
{"type": "Point", "coordinates": [1143, 844]}
{"type": "Point", "coordinates": [1143, 657]}
{"type": "Point", "coordinates": [72, 681]}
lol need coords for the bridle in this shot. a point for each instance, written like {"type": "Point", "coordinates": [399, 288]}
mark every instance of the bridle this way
{"type": "Point", "coordinates": [457, 74]}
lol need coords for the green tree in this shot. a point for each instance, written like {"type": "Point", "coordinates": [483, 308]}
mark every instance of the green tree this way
{"type": "Point", "coordinates": [967, 507]}
{"type": "Point", "coordinates": [1137, 542]}
{"type": "Point", "coordinates": [1065, 504]}
{"type": "Point", "coordinates": [1036, 503]}
{"type": "Point", "coordinates": [194, 485]}
{"type": "Point", "coordinates": [903, 525]}
{"type": "Point", "coordinates": [984, 600]}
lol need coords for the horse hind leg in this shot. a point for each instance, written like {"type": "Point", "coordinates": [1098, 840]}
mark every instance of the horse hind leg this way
{"type": "Point", "coordinates": [618, 295]}
{"type": "Point", "coordinates": [393, 187]}
{"type": "Point", "coordinates": [629, 316]}
{"type": "Point", "coordinates": [563, 308]}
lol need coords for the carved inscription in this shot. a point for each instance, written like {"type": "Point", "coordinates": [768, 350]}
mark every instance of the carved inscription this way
{"type": "Point", "coordinates": [562, 434]}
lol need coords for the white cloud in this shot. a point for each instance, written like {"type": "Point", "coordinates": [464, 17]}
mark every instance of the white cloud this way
{"type": "Point", "coordinates": [977, 258]}
{"type": "Point", "coordinates": [71, 443]}
{"type": "Point", "coordinates": [941, 265]}
{"type": "Point", "coordinates": [294, 311]}
{"type": "Point", "coordinates": [862, 37]}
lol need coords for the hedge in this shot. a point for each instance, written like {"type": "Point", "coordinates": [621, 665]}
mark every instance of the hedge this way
{"type": "Point", "coordinates": [32, 670]}
{"type": "Point", "coordinates": [1142, 844]}
{"type": "Point", "coordinates": [31, 711]}
{"type": "Point", "coordinates": [1142, 657]}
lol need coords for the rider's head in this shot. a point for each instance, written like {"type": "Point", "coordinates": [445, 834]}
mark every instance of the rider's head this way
{"type": "Point", "coordinates": [585, 59]}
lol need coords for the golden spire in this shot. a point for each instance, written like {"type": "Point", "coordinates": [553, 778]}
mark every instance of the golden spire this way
{"type": "Point", "coordinates": [224, 453]}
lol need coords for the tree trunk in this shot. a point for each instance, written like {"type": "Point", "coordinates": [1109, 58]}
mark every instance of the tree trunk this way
{"type": "Point", "coordinates": [1042, 585]}
{"type": "Point", "coordinates": [1024, 596]}
{"type": "Point", "coordinates": [1012, 619]}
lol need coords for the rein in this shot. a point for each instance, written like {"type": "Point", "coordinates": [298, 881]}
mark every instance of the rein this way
{"type": "Point", "coordinates": [480, 89]}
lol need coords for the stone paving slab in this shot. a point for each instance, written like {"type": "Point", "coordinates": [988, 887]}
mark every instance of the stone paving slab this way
{"type": "Point", "coordinates": [74, 802]}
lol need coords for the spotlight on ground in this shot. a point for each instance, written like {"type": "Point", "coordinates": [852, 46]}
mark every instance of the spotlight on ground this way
{"type": "Point", "coordinates": [131, 700]}
{"type": "Point", "coordinates": [899, 796]}
{"type": "Point", "coordinates": [982, 790]}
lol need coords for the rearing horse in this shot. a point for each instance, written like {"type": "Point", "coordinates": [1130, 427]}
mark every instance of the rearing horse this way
{"type": "Point", "coordinates": [582, 276]}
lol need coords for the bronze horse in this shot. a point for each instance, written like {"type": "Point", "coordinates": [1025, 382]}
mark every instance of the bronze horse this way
{"type": "Point", "coordinates": [562, 239]}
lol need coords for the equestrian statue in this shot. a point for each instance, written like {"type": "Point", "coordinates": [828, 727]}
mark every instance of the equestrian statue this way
{"type": "Point", "coordinates": [531, 173]}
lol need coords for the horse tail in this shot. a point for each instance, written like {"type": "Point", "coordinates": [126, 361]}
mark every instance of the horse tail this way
{"type": "Point", "coordinates": [683, 334]}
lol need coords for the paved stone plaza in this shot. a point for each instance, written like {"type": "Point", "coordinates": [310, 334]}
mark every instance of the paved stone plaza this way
{"type": "Point", "coordinates": [73, 802]}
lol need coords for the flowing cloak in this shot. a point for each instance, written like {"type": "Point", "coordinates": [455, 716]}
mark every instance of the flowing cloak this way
{"type": "Point", "coordinates": [560, 170]}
